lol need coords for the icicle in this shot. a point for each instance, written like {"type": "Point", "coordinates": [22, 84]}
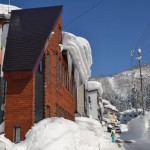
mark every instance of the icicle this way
{"type": "Point", "coordinates": [69, 64]}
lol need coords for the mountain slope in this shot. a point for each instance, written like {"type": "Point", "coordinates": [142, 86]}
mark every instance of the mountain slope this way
{"type": "Point", "coordinates": [124, 89]}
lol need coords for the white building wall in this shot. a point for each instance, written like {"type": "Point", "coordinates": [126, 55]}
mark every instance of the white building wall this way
{"type": "Point", "coordinates": [80, 99]}
{"type": "Point", "coordinates": [92, 107]}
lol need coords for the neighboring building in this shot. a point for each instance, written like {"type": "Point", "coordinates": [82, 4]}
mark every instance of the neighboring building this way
{"type": "Point", "coordinates": [127, 115]}
{"type": "Point", "coordinates": [36, 71]}
{"type": "Point", "coordinates": [79, 53]}
{"type": "Point", "coordinates": [80, 100]}
{"type": "Point", "coordinates": [4, 24]}
{"type": "Point", "coordinates": [93, 103]}
{"type": "Point", "coordinates": [110, 113]}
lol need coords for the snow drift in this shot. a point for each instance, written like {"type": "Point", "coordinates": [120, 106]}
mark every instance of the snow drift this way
{"type": "Point", "coordinates": [140, 127]}
{"type": "Point", "coordinates": [59, 134]}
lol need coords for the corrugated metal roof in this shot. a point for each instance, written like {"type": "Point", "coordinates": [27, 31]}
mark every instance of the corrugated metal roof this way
{"type": "Point", "coordinates": [28, 32]}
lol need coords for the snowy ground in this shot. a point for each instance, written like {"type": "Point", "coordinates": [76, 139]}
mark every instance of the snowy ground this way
{"type": "Point", "coordinates": [85, 134]}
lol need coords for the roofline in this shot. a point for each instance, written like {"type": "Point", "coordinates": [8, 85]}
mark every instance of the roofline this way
{"type": "Point", "coordinates": [46, 43]}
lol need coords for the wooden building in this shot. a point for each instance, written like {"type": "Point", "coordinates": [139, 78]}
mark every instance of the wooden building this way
{"type": "Point", "coordinates": [36, 71]}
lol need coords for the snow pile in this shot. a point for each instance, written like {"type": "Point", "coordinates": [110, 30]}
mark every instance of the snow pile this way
{"type": "Point", "coordinates": [91, 133]}
{"type": "Point", "coordinates": [94, 85]}
{"type": "Point", "coordinates": [60, 134]}
{"type": "Point", "coordinates": [4, 9]}
{"type": "Point", "coordinates": [78, 53]}
{"type": "Point", "coordinates": [123, 127]}
{"type": "Point", "coordinates": [140, 126]}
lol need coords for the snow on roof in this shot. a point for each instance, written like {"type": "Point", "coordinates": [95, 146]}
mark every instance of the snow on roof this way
{"type": "Point", "coordinates": [105, 102]}
{"type": "Point", "coordinates": [130, 111]}
{"type": "Point", "coordinates": [110, 107]}
{"type": "Point", "coordinates": [79, 53]}
{"type": "Point", "coordinates": [94, 85]}
{"type": "Point", "coordinates": [4, 9]}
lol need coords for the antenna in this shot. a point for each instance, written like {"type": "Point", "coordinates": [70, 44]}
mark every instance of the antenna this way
{"type": "Point", "coordinates": [8, 5]}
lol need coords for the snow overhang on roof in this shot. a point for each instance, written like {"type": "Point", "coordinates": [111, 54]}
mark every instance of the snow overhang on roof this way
{"type": "Point", "coordinates": [94, 85]}
{"type": "Point", "coordinates": [79, 54]}
{"type": "Point", "coordinates": [109, 106]}
{"type": "Point", "coordinates": [105, 102]}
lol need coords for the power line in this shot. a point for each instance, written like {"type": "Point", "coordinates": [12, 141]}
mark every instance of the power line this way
{"type": "Point", "coordinates": [84, 13]}
{"type": "Point", "coordinates": [141, 39]}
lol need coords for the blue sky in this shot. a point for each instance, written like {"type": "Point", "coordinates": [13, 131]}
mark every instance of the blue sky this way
{"type": "Point", "coordinates": [112, 27]}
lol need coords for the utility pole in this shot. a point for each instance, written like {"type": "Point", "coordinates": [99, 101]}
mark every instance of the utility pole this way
{"type": "Point", "coordinates": [134, 98]}
{"type": "Point", "coordinates": [140, 60]}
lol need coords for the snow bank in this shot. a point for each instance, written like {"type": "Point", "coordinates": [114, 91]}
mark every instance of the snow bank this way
{"type": "Point", "coordinates": [60, 134]}
{"type": "Point", "coordinates": [91, 133]}
{"type": "Point", "coordinates": [140, 126]}
{"type": "Point", "coordinates": [123, 127]}
{"type": "Point", "coordinates": [94, 85]}
{"type": "Point", "coordinates": [79, 53]}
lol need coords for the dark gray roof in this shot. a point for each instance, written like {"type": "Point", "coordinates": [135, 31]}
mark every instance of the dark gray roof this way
{"type": "Point", "coordinates": [28, 32]}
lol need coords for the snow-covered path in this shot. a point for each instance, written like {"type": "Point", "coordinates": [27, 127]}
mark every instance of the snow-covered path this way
{"type": "Point", "coordinates": [108, 145]}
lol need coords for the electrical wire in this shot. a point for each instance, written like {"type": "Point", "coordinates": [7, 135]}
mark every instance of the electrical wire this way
{"type": "Point", "coordinates": [84, 13]}
{"type": "Point", "coordinates": [142, 35]}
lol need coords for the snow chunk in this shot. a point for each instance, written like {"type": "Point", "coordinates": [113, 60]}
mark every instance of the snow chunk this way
{"type": "Point", "coordinates": [80, 52]}
{"type": "Point", "coordinates": [94, 85]}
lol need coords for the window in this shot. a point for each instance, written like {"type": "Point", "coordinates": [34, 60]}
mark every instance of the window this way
{"type": "Point", "coordinates": [62, 73]}
{"type": "Point", "coordinates": [57, 71]}
{"type": "Point", "coordinates": [17, 131]}
{"type": "Point", "coordinates": [57, 110]}
{"type": "Point", "coordinates": [48, 111]}
{"type": "Point", "coordinates": [48, 67]}
{"type": "Point", "coordinates": [130, 115]}
{"type": "Point", "coordinates": [41, 66]}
